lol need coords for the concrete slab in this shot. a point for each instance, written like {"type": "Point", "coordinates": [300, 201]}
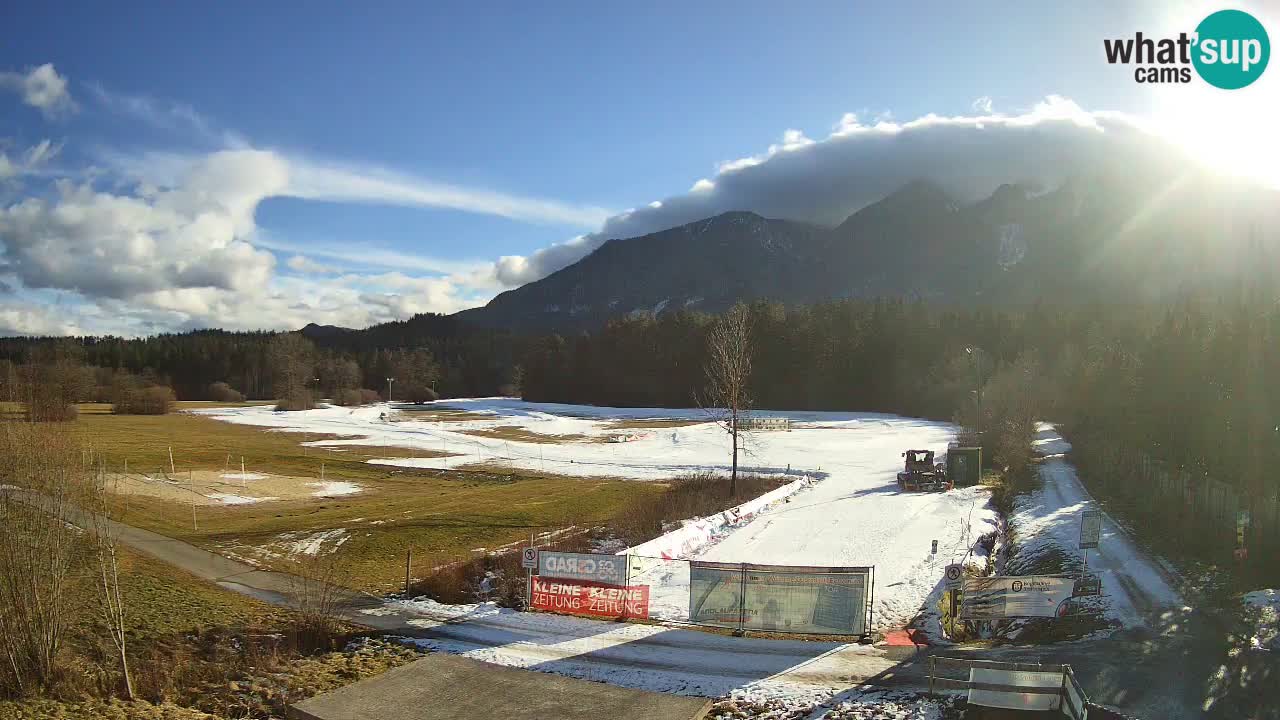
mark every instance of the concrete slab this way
{"type": "Point", "coordinates": [449, 687]}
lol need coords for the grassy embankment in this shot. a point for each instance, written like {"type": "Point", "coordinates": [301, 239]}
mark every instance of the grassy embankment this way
{"type": "Point", "coordinates": [196, 651]}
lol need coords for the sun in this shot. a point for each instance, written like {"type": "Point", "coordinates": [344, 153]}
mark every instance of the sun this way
{"type": "Point", "coordinates": [1235, 132]}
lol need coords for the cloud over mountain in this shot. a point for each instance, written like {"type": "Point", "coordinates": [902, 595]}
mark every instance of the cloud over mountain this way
{"type": "Point", "coordinates": [827, 180]}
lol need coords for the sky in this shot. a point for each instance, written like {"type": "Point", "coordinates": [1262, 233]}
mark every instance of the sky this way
{"type": "Point", "coordinates": [169, 166]}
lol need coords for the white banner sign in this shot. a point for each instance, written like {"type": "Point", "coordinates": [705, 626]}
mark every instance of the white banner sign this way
{"type": "Point", "coordinates": [603, 569]}
{"type": "Point", "coordinates": [1007, 597]}
{"type": "Point", "coordinates": [1013, 700]}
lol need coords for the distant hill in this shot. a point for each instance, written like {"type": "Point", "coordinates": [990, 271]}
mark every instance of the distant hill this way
{"type": "Point", "coordinates": [1113, 238]}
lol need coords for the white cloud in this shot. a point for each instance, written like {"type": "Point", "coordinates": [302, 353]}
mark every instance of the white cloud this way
{"type": "Point", "coordinates": [165, 115]}
{"type": "Point", "coordinates": [28, 161]}
{"type": "Point", "coordinates": [190, 236]}
{"type": "Point", "coordinates": [321, 180]}
{"type": "Point", "coordinates": [826, 181]}
{"type": "Point", "coordinates": [982, 105]}
{"type": "Point", "coordinates": [29, 318]}
{"type": "Point", "coordinates": [42, 88]}
{"type": "Point", "coordinates": [304, 264]}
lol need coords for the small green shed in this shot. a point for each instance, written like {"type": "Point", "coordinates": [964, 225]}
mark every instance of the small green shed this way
{"type": "Point", "coordinates": [964, 465]}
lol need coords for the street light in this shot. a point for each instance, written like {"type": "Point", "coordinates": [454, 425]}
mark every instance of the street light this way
{"type": "Point", "coordinates": [389, 381]}
{"type": "Point", "coordinates": [977, 393]}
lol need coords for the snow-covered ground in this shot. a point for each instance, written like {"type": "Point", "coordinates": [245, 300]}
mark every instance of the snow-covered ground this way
{"type": "Point", "coordinates": [852, 515]}
{"type": "Point", "coordinates": [1047, 522]}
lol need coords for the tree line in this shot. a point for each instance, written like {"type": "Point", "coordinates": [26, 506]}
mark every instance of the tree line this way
{"type": "Point", "coordinates": [1196, 384]}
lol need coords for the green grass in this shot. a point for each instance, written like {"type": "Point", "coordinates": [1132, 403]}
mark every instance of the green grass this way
{"type": "Point", "coordinates": [441, 515]}
{"type": "Point", "coordinates": [164, 600]}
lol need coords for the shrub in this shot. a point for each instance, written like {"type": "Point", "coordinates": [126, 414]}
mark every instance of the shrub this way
{"type": "Point", "coordinates": [222, 392]}
{"type": "Point", "coordinates": [348, 397]}
{"type": "Point", "coordinates": [369, 397]}
{"type": "Point", "coordinates": [298, 401]}
{"type": "Point", "coordinates": [154, 400]}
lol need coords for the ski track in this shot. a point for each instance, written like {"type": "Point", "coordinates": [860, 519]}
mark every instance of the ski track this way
{"type": "Point", "coordinates": [1134, 585]}
{"type": "Point", "coordinates": [853, 516]}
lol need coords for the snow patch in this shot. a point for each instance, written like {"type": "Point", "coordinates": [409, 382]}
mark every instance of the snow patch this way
{"type": "Point", "coordinates": [333, 488]}
{"type": "Point", "coordinates": [226, 499]}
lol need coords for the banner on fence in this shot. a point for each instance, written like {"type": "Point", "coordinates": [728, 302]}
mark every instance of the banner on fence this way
{"type": "Point", "coordinates": [989, 598]}
{"type": "Point", "coordinates": [601, 569]}
{"type": "Point", "coordinates": [1018, 689]}
{"type": "Point", "coordinates": [582, 598]}
{"type": "Point", "coordinates": [773, 598]}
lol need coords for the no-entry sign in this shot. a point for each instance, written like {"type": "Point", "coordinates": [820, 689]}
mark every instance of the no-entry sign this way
{"type": "Point", "coordinates": [529, 559]}
{"type": "Point", "coordinates": [579, 598]}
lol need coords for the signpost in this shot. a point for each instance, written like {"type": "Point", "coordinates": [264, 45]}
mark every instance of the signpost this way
{"type": "Point", "coordinates": [952, 577]}
{"type": "Point", "coordinates": [954, 574]}
{"type": "Point", "coordinates": [1090, 534]}
{"type": "Point", "coordinates": [993, 598]}
{"type": "Point", "coordinates": [1090, 529]}
{"type": "Point", "coordinates": [1087, 585]}
{"type": "Point", "coordinates": [1242, 524]}
{"type": "Point", "coordinates": [529, 559]}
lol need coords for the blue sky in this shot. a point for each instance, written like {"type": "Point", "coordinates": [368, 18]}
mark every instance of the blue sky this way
{"type": "Point", "coordinates": [423, 143]}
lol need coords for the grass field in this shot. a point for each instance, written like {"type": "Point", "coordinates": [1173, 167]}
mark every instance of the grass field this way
{"type": "Point", "coordinates": [443, 516]}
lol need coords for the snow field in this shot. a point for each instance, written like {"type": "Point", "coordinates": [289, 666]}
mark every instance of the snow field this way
{"type": "Point", "coordinates": [852, 515]}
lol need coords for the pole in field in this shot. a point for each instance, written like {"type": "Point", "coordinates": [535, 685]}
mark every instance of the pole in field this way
{"type": "Point", "coordinates": [408, 564]}
{"type": "Point", "coordinates": [171, 470]}
{"type": "Point", "coordinates": [191, 486]}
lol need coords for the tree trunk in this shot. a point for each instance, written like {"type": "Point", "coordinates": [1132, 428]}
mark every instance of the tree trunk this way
{"type": "Point", "coordinates": [733, 479]}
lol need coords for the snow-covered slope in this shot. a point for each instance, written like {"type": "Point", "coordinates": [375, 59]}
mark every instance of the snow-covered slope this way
{"type": "Point", "coordinates": [852, 515]}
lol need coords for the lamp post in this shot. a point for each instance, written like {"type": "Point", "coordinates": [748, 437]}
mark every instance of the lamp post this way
{"type": "Point", "coordinates": [389, 381]}
{"type": "Point", "coordinates": [977, 393]}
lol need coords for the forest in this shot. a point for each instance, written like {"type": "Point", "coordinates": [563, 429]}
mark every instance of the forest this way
{"type": "Point", "coordinates": [1194, 386]}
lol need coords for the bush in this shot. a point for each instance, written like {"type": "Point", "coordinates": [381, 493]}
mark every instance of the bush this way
{"type": "Point", "coordinates": [299, 401]}
{"type": "Point", "coordinates": [352, 396]}
{"type": "Point", "coordinates": [154, 400]}
{"type": "Point", "coordinates": [222, 392]}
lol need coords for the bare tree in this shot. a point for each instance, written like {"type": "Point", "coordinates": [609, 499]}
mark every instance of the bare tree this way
{"type": "Point", "coordinates": [728, 371]}
{"type": "Point", "coordinates": [319, 590]}
{"type": "Point", "coordinates": [113, 605]}
{"type": "Point", "coordinates": [40, 551]}
{"type": "Point", "coordinates": [291, 359]}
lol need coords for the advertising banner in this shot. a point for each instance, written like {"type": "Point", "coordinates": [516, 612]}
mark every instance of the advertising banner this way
{"type": "Point", "coordinates": [602, 569]}
{"type": "Point", "coordinates": [773, 598]}
{"type": "Point", "coordinates": [1009, 597]}
{"type": "Point", "coordinates": [580, 598]}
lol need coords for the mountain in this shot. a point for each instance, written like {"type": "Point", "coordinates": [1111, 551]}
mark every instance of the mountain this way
{"type": "Point", "coordinates": [1102, 238]}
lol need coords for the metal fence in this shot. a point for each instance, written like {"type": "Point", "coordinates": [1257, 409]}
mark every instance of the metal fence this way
{"type": "Point", "coordinates": [735, 596]}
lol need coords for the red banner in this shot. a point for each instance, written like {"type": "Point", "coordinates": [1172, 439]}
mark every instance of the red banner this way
{"type": "Point", "coordinates": [580, 598]}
